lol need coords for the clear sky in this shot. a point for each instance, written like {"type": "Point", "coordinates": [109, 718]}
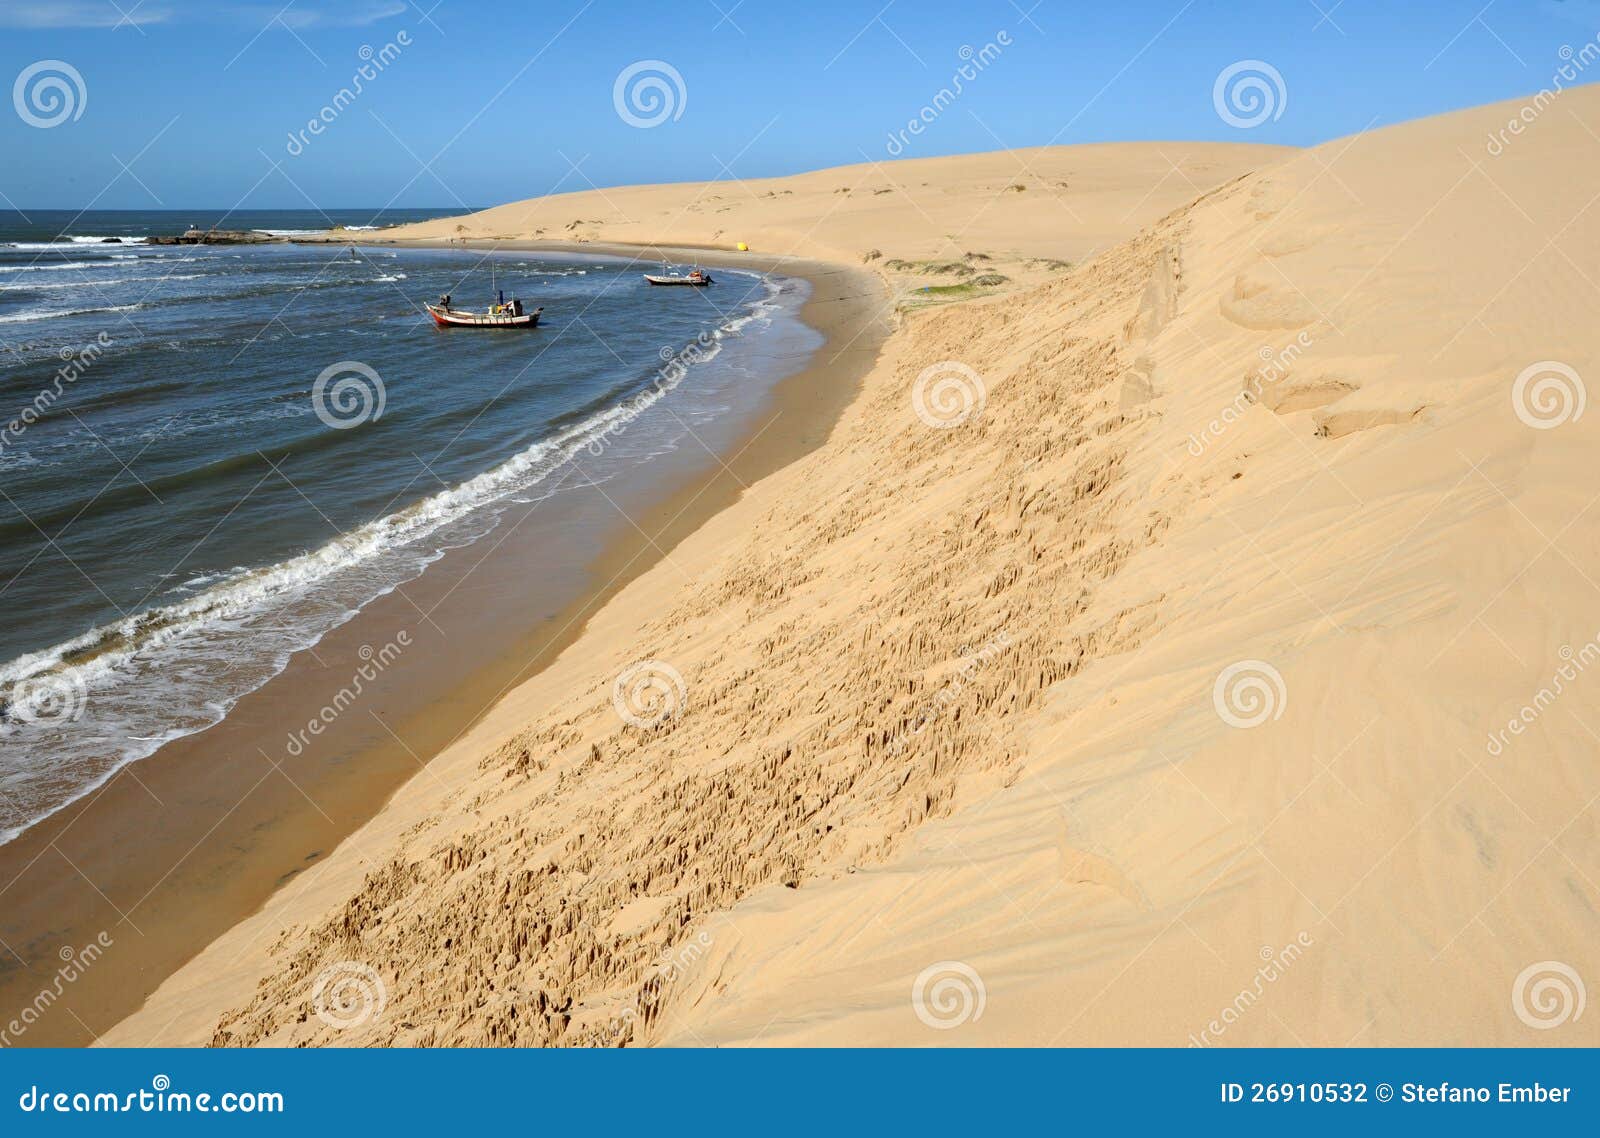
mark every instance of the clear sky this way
{"type": "Point", "coordinates": [489, 102]}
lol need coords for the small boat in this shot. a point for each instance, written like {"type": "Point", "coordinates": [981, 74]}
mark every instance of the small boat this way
{"type": "Point", "coordinates": [502, 313]}
{"type": "Point", "coordinates": [694, 278]}
{"type": "Point", "coordinates": [510, 315]}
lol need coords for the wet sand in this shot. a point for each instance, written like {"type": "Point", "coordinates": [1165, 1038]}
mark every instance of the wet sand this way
{"type": "Point", "coordinates": [181, 846]}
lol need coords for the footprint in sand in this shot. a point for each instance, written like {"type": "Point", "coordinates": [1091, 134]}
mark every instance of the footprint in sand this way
{"type": "Point", "coordinates": [1337, 424]}
{"type": "Point", "coordinates": [1262, 304]}
{"type": "Point", "coordinates": [1283, 239]}
{"type": "Point", "coordinates": [1268, 198]}
{"type": "Point", "coordinates": [1289, 395]}
{"type": "Point", "coordinates": [1139, 383]}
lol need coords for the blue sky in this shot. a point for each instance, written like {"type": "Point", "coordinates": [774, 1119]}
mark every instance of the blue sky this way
{"type": "Point", "coordinates": [491, 102]}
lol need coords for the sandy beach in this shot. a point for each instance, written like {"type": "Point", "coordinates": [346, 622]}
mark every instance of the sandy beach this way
{"type": "Point", "coordinates": [1130, 661]}
{"type": "Point", "coordinates": [178, 848]}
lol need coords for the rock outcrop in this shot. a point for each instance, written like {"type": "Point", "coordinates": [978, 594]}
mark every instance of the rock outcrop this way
{"type": "Point", "coordinates": [217, 237]}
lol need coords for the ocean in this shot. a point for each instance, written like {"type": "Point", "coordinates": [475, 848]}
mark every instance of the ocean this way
{"type": "Point", "coordinates": [211, 456]}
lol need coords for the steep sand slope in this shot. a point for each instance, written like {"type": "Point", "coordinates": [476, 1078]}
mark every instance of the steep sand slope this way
{"type": "Point", "coordinates": [1379, 527]}
{"type": "Point", "coordinates": [1158, 684]}
{"type": "Point", "coordinates": [590, 773]}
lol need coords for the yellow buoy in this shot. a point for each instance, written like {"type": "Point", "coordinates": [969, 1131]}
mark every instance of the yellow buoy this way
{"type": "Point", "coordinates": [743, 248]}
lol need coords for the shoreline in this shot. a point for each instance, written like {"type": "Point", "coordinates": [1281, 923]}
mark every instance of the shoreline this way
{"type": "Point", "coordinates": [519, 894]}
{"type": "Point", "coordinates": [237, 826]}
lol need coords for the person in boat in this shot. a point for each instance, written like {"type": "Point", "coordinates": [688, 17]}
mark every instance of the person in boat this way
{"type": "Point", "coordinates": [444, 300]}
{"type": "Point", "coordinates": [516, 306]}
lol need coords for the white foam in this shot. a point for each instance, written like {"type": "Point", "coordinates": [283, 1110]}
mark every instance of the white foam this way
{"type": "Point", "coordinates": [246, 624]}
{"type": "Point", "coordinates": [48, 268]}
{"type": "Point", "coordinates": [30, 317]}
{"type": "Point", "coordinates": [38, 286]}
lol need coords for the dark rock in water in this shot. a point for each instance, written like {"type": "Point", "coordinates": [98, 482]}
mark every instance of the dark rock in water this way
{"type": "Point", "coordinates": [216, 237]}
{"type": "Point", "coordinates": [111, 241]}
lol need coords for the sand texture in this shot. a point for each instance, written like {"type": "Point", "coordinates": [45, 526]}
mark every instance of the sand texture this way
{"type": "Point", "coordinates": [1130, 652]}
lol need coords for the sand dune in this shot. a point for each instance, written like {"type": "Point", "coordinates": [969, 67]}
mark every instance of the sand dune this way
{"type": "Point", "coordinates": [1126, 668]}
{"type": "Point", "coordinates": [1021, 215]}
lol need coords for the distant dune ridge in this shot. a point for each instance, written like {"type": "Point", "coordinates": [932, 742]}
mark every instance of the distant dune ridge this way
{"type": "Point", "coordinates": [1133, 665]}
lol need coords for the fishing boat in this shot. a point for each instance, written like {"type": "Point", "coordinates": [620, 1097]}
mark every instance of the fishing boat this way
{"type": "Point", "coordinates": [508, 315]}
{"type": "Point", "coordinates": [502, 313]}
{"type": "Point", "coordinates": [696, 278]}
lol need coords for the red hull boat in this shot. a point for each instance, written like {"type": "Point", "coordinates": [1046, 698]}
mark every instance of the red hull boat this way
{"type": "Point", "coordinates": [509, 318]}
